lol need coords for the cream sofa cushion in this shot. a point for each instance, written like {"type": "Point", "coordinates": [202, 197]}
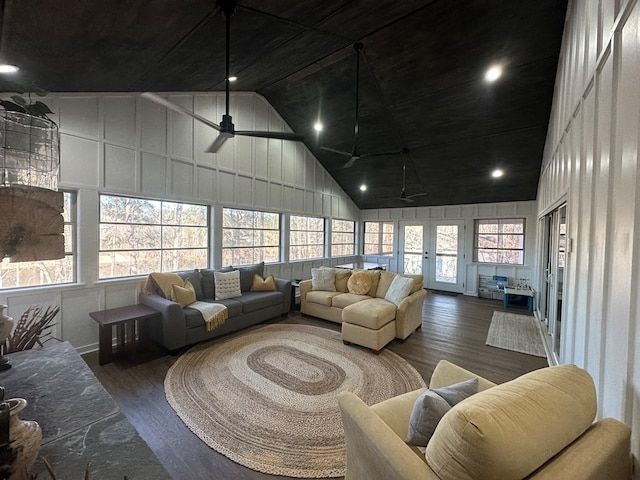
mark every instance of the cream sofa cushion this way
{"type": "Point", "coordinates": [322, 298]}
{"type": "Point", "coordinates": [387, 277]}
{"type": "Point", "coordinates": [508, 431]}
{"type": "Point", "coordinates": [342, 277]}
{"type": "Point", "coordinates": [373, 313]}
{"type": "Point", "coordinates": [345, 299]}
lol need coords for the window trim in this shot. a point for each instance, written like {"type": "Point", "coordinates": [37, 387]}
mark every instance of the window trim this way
{"type": "Point", "coordinates": [380, 233]}
{"type": "Point", "coordinates": [501, 221]}
{"type": "Point", "coordinates": [161, 249]}
{"type": "Point", "coordinates": [278, 230]}
{"type": "Point", "coordinates": [323, 243]}
{"type": "Point", "coordinates": [352, 244]}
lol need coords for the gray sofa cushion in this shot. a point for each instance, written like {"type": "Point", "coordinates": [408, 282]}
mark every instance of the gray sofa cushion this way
{"type": "Point", "coordinates": [194, 318]}
{"type": "Point", "coordinates": [194, 277]}
{"type": "Point", "coordinates": [252, 301]}
{"type": "Point", "coordinates": [208, 284]}
{"type": "Point", "coordinates": [246, 275]}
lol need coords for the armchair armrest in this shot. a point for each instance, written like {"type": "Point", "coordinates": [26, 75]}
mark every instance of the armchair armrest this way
{"type": "Point", "coordinates": [171, 331]}
{"type": "Point", "coordinates": [409, 314]}
{"type": "Point", "coordinates": [284, 286]}
{"type": "Point", "coordinates": [374, 451]}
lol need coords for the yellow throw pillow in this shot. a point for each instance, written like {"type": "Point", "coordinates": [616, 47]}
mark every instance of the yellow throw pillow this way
{"type": "Point", "coordinates": [184, 295]}
{"type": "Point", "coordinates": [359, 283]}
{"type": "Point", "coordinates": [263, 284]}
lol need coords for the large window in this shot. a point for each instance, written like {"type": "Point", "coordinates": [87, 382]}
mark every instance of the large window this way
{"type": "Point", "coordinates": [46, 272]}
{"type": "Point", "coordinates": [499, 241]}
{"type": "Point", "coordinates": [378, 238]}
{"type": "Point", "coordinates": [306, 237]}
{"type": "Point", "coordinates": [250, 237]}
{"type": "Point", "coordinates": [343, 238]}
{"type": "Point", "coordinates": [139, 236]}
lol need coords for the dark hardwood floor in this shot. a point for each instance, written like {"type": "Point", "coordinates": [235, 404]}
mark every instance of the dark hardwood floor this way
{"type": "Point", "coordinates": [453, 328]}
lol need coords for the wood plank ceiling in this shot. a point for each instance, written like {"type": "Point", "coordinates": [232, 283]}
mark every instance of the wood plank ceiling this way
{"type": "Point", "coordinates": [422, 81]}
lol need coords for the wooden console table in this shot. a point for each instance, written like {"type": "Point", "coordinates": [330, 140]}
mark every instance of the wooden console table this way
{"type": "Point", "coordinates": [125, 319]}
{"type": "Point", "coordinates": [81, 424]}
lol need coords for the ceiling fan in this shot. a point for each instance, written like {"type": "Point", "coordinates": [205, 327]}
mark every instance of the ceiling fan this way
{"type": "Point", "coordinates": [403, 195]}
{"type": "Point", "coordinates": [355, 155]}
{"type": "Point", "coordinates": [226, 128]}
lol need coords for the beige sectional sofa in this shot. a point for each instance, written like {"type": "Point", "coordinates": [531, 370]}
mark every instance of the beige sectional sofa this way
{"type": "Point", "coordinates": [367, 319]}
{"type": "Point", "coordinates": [538, 426]}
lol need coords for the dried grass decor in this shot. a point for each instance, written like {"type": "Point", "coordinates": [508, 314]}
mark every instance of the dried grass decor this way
{"type": "Point", "coordinates": [33, 327]}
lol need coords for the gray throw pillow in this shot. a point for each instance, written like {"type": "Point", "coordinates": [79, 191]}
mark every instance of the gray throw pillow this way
{"type": "Point", "coordinates": [432, 405]}
{"type": "Point", "coordinates": [208, 283]}
{"type": "Point", "coordinates": [194, 277]}
{"type": "Point", "coordinates": [246, 275]}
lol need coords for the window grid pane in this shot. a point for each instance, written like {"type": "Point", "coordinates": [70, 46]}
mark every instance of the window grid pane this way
{"type": "Point", "coordinates": [46, 272]}
{"type": "Point", "coordinates": [343, 238]}
{"type": "Point", "coordinates": [306, 239]}
{"type": "Point", "coordinates": [139, 236]}
{"type": "Point", "coordinates": [499, 241]}
{"type": "Point", "coordinates": [378, 238]}
{"type": "Point", "coordinates": [250, 237]}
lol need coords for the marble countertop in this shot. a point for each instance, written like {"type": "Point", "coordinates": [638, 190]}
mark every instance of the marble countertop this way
{"type": "Point", "coordinates": [81, 424]}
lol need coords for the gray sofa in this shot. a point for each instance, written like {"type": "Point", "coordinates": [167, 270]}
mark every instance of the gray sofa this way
{"type": "Point", "coordinates": [179, 327]}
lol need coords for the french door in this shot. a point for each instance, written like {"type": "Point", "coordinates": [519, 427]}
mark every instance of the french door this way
{"type": "Point", "coordinates": [550, 305]}
{"type": "Point", "coordinates": [433, 249]}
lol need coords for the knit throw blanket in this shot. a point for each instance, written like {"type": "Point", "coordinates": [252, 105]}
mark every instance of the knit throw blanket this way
{"type": "Point", "coordinates": [214, 314]}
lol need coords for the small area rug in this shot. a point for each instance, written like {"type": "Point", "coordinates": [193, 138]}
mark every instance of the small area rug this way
{"type": "Point", "coordinates": [267, 397]}
{"type": "Point", "coordinates": [519, 333]}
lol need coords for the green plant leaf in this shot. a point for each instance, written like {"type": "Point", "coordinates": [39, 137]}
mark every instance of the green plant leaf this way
{"type": "Point", "coordinates": [12, 107]}
{"type": "Point", "coordinates": [19, 100]}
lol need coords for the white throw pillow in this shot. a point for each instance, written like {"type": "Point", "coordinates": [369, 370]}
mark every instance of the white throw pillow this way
{"type": "Point", "coordinates": [399, 289]}
{"type": "Point", "coordinates": [227, 284]}
{"type": "Point", "coordinates": [323, 279]}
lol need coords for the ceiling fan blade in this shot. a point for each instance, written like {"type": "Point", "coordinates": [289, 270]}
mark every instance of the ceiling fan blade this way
{"type": "Point", "coordinates": [424, 194]}
{"type": "Point", "coordinates": [177, 108]}
{"type": "Point", "coordinates": [339, 152]}
{"type": "Point", "coordinates": [277, 135]}
{"type": "Point", "coordinates": [217, 143]}
{"type": "Point", "coordinates": [351, 161]}
{"type": "Point", "coordinates": [381, 154]}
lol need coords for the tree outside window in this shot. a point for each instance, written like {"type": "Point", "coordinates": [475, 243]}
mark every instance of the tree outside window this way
{"type": "Point", "coordinates": [250, 237]}
{"type": "Point", "coordinates": [306, 237]}
{"type": "Point", "coordinates": [499, 241]}
{"type": "Point", "coordinates": [139, 236]}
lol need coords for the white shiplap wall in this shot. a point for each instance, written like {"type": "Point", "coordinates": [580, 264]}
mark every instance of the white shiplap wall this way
{"type": "Point", "coordinates": [124, 144]}
{"type": "Point", "coordinates": [467, 214]}
{"type": "Point", "coordinates": [591, 158]}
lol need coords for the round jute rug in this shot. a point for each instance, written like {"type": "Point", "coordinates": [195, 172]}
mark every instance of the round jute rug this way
{"type": "Point", "coordinates": [267, 397]}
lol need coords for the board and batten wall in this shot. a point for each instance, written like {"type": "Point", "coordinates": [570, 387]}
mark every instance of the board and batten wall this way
{"type": "Point", "coordinates": [466, 214]}
{"type": "Point", "coordinates": [591, 160]}
{"type": "Point", "coordinates": [124, 144]}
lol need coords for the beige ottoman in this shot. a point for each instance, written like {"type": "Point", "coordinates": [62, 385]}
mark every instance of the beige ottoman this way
{"type": "Point", "coordinates": [370, 323]}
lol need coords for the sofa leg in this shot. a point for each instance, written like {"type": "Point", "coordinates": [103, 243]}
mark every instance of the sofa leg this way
{"type": "Point", "coordinates": [376, 352]}
{"type": "Point", "coordinates": [346, 343]}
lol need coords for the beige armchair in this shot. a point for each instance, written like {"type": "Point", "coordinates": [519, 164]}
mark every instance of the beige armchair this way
{"type": "Point", "coordinates": [538, 426]}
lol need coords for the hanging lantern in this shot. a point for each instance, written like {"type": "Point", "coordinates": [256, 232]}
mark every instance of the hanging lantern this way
{"type": "Point", "coordinates": [31, 222]}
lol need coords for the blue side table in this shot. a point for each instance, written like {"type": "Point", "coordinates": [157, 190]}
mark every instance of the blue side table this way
{"type": "Point", "coordinates": [519, 291]}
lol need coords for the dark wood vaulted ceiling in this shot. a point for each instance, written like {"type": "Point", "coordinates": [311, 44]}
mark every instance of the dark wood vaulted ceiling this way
{"type": "Point", "coordinates": [421, 80]}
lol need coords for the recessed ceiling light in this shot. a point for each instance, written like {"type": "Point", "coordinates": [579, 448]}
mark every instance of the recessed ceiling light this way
{"type": "Point", "coordinates": [363, 187]}
{"type": "Point", "coordinates": [5, 68]}
{"type": "Point", "coordinates": [318, 126]}
{"type": "Point", "coordinates": [493, 73]}
{"type": "Point", "coordinates": [233, 78]}
{"type": "Point", "coordinates": [497, 173]}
